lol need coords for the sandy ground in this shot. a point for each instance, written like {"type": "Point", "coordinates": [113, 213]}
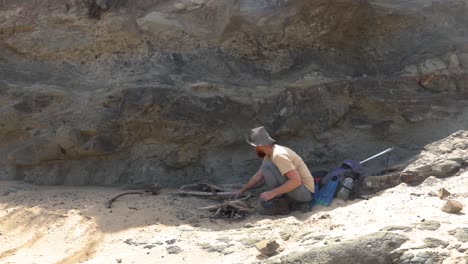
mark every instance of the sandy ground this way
{"type": "Point", "coordinates": [43, 224]}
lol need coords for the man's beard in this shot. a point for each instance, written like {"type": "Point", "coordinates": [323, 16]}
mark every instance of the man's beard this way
{"type": "Point", "coordinates": [261, 154]}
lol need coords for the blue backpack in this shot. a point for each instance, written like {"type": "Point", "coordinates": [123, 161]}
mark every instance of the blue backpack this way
{"type": "Point", "coordinates": [326, 187]}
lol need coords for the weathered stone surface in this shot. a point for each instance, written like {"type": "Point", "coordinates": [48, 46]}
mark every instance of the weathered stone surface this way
{"type": "Point", "coordinates": [432, 65]}
{"type": "Point", "coordinates": [452, 207]}
{"type": "Point", "coordinates": [463, 248]}
{"type": "Point", "coordinates": [431, 181]}
{"type": "Point", "coordinates": [267, 247]}
{"type": "Point", "coordinates": [441, 158]}
{"type": "Point", "coordinates": [69, 141]}
{"type": "Point", "coordinates": [374, 248]}
{"type": "Point", "coordinates": [421, 257]}
{"type": "Point", "coordinates": [458, 259]}
{"type": "Point", "coordinates": [431, 242]}
{"type": "Point", "coordinates": [404, 258]}
{"type": "Point", "coordinates": [428, 225]}
{"type": "Point", "coordinates": [250, 241]}
{"type": "Point", "coordinates": [220, 247]}
{"type": "Point", "coordinates": [460, 233]}
{"type": "Point", "coordinates": [307, 237]}
{"type": "Point", "coordinates": [35, 152]}
{"type": "Point", "coordinates": [454, 65]}
{"type": "Point", "coordinates": [111, 84]}
{"type": "Point", "coordinates": [397, 228]}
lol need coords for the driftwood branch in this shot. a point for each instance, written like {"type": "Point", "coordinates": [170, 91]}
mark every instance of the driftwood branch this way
{"type": "Point", "coordinates": [202, 186]}
{"type": "Point", "coordinates": [109, 203]}
{"type": "Point", "coordinates": [196, 193]}
{"type": "Point", "coordinates": [152, 188]}
{"type": "Point", "coordinates": [212, 191]}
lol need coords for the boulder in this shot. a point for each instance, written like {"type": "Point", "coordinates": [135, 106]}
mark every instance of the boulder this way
{"type": "Point", "coordinates": [415, 174]}
{"type": "Point", "coordinates": [377, 183]}
{"type": "Point", "coordinates": [443, 193]}
{"type": "Point", "coordinates": [267, 247]}
{"type": "Point", "coordinates": [452, 207]}
{"type": "Point", "coordinates": [445, 168]}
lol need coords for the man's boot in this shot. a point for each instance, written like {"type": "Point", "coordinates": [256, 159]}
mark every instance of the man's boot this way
{"type": "Point", "coordinates": [277, 206]}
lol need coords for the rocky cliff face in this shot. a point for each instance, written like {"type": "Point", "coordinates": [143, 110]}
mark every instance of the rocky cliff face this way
{"type": "Point", "coordinates": [117, 92]}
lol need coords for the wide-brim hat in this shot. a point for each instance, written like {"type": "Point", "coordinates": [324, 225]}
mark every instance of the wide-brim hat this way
{"type": "Point", "coordinates": [259, 137]}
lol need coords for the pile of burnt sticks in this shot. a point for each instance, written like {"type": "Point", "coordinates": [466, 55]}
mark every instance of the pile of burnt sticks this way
{"type": "Point", "coordinates": [231, 208]}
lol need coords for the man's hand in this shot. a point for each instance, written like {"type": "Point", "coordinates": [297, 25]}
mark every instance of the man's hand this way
{"type": "Point", "coordinates": [266, 196]}
{"type": "Point", "coordinates": [250, 184]}
{"type": "Point", "coordinates": [238, 194]}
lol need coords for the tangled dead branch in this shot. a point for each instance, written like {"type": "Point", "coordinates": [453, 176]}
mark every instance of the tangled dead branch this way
{"type": "Point", "coordinates": [229, 209]}
{"type": "Point", "coordinates": [232, 209]}
{"type": "Point", "coordinates": [153, 188]}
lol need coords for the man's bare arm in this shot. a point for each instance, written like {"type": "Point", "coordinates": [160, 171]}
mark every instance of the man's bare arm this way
{"type": "Point", "coordinates": [252, 182]}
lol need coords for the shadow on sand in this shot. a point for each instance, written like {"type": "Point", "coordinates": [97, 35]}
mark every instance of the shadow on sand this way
{"type": "Point", "coordinates": [46, 204]}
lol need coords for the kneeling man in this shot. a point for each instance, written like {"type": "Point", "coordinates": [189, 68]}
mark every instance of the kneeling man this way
{"type": "Point", "coordinates": [289, 182]}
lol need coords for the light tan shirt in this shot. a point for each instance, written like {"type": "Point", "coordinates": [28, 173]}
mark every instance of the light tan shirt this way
{"type": "Point", "coordinates": [287, 160]}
